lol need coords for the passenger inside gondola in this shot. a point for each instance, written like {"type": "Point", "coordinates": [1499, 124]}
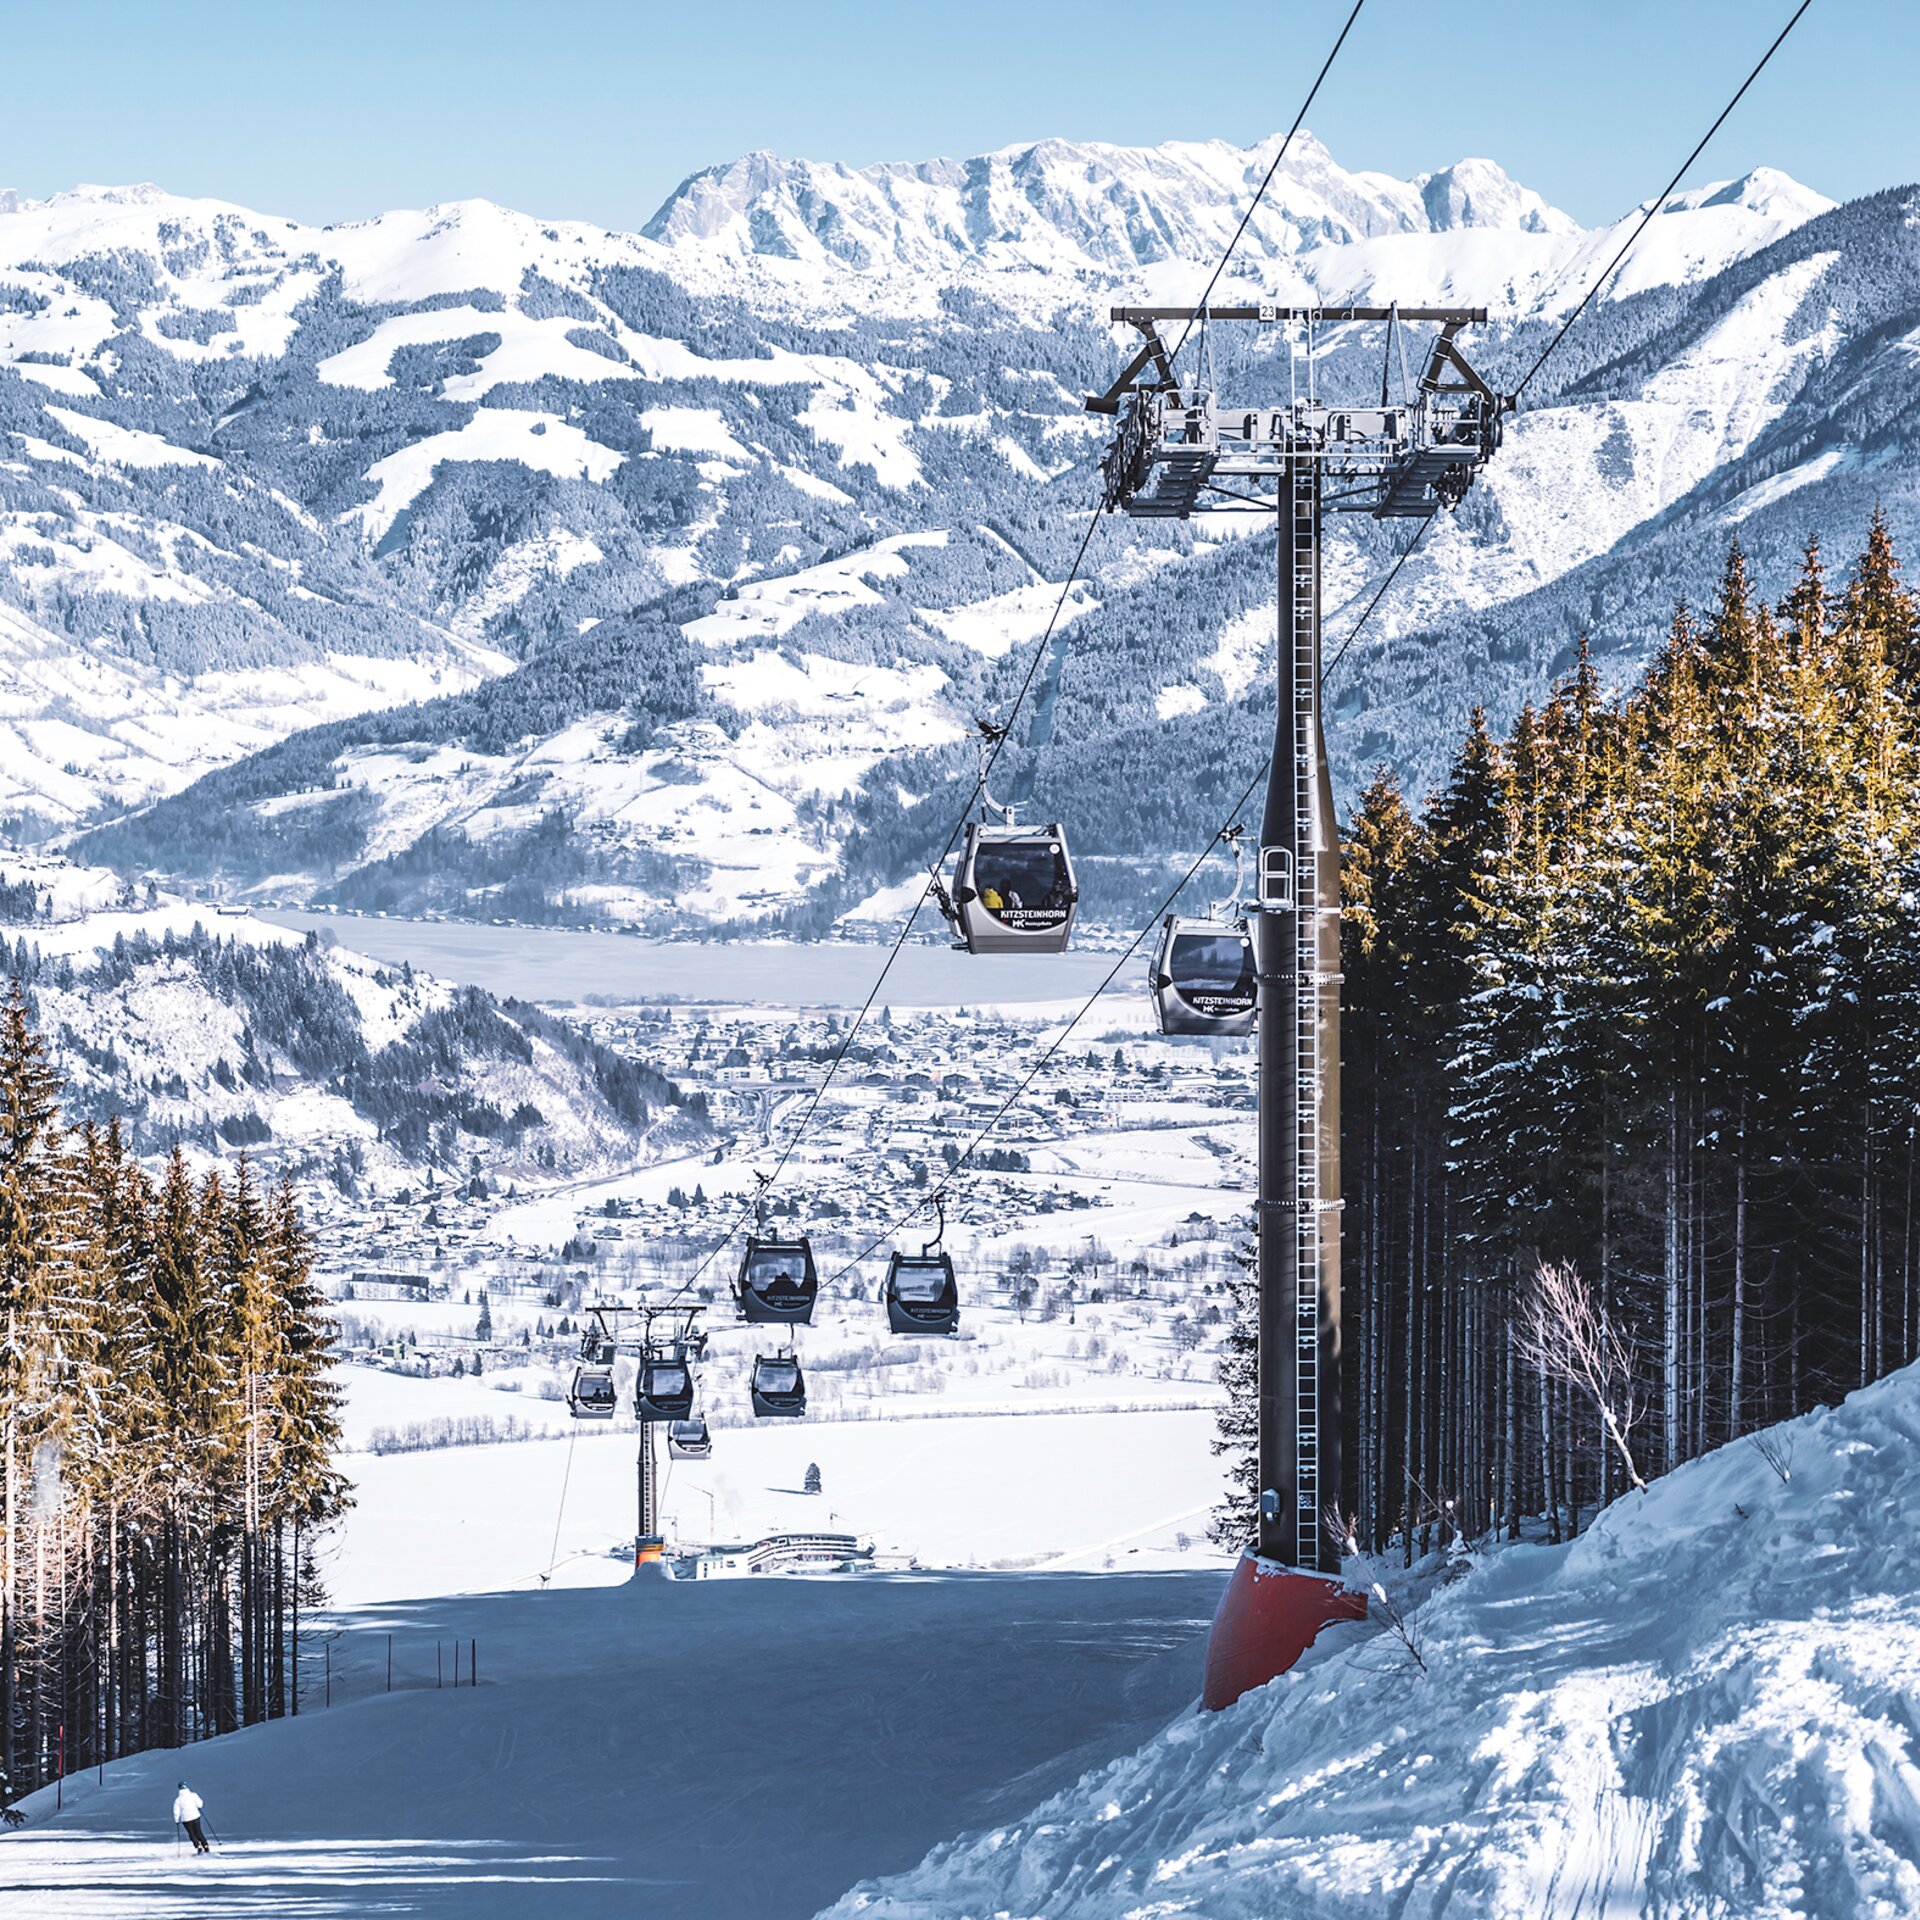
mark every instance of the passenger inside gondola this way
{"type": "Point", "coordinates": [1021, 876]}
{"type": "Point", "coordinates": [776, 1281]}
{"type": "Point", "coordinates": [592, 1391]}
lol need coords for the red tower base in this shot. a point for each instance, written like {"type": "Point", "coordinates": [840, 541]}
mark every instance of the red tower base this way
{"type": "Point", "coordinates": [1268, 1617]}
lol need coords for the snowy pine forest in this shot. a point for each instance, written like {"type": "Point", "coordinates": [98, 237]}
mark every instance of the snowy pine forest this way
{"type": "Point", "coordinates": [1635, 992]}
{"type": "Point", "coordinates": [168, 1424]}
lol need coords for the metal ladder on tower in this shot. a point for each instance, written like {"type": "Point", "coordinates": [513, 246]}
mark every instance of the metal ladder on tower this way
{"type": "Point", "coordinates": [1303, 548]}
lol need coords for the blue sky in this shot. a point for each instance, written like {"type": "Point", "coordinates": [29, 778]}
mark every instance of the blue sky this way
{"type": "Point", "coordinates": [594, 110]}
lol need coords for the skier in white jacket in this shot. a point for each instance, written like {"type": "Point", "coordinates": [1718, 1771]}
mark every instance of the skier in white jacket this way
{"type": "Point", "coordinates": [186, 1813]}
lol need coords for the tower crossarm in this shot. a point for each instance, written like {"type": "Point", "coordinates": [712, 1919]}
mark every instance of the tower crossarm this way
{"type": "Point", "coordinates": [1179, 449]}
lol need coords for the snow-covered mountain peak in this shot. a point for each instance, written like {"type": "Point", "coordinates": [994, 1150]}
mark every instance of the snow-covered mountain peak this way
{"type": "Point", "coordinates": [139, 193]}
{"type": "Point", "coordinates": [1478, 193]}
{"type": "Point", "coordinates": [1075, 205]}
{"type": "Point", "coordinates": [88, 193]}
{"type": "Point", "coordinates": [1765, 191]}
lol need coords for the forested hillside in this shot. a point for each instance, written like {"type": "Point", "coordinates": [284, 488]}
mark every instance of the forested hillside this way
{"type": "Point", "coordinates": [1636, 998]}
{"type": "Point", "coordinates": [329, 1067]}
{"type": "Point", "coordinates": [167, 1429]}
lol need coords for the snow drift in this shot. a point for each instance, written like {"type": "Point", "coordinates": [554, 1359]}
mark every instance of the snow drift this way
{"type": "Point", "coordinates": [1707, 1705]}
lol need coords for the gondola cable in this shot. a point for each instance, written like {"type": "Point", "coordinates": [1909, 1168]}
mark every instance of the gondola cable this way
{"type": "Point", "coordinates": [1648, 213]}
{"type": "Point", "coordinates": [1326, 65]}
{"type": "Point", "coordinates": [1041, 652]}
{"type": "Point", "coordinates": [1659, 200]}
{"type": "Point", "coordinates": [1393, 572]}
{"type": "Point", "coordinates": [941, 1191]}
{"type": "Point", "coordinates": [553, 1552]}
{"type": "Point", "coordinates": [989, 760]}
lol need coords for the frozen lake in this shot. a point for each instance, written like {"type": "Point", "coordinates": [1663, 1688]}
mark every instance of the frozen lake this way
{"type": "Point", "coordinates": [560, 963]}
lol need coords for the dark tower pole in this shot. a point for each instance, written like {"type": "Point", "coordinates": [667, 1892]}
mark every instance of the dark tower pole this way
{"type": "Point", "coordinates": [1298, 954]}
{"type": "Point", "coordinates": [649, 1525]}
{"type": "Point", "coordinates": [1405, 459]}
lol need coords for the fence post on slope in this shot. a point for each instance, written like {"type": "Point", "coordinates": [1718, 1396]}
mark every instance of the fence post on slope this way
{"type": "Point", "coordinates": [60, 1777]}
{"type": "Point", "coordinates": [473, 1668]}
{"type": "Point", "coordinates": [329, 1673]}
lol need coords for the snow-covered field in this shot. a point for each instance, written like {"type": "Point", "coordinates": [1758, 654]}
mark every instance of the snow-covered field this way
{"type": "Point", "coordinates": [84, 724]}
{"type": "Point", "coordinates": [1056, 1489]}
{"type": "Point", "coordinates": [1704, 1708]}
{"type": "Point", "coordinates": [732, 1750]}
{"type": "Point", "coordinates": [739, 1747]}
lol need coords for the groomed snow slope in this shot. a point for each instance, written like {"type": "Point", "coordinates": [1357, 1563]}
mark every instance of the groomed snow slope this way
{"type": "Point", "coordinates": [1707, 1706]}
{"type": "Point", "coordinates": [727, 1750]}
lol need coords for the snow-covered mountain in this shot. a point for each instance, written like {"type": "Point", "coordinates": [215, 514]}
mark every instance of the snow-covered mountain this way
{"type": "Point", "coordinates": [1076, 207]}
{"type": "Point", "coordinates": [777, 491]}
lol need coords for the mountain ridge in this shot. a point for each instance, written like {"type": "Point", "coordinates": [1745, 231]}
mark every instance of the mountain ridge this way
{"type": "Point", "coordinates": [462, 441]}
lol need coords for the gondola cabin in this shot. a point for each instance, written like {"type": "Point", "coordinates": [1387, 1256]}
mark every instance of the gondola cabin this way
{"type": "Point", "coordinates": [689, 1439]}
{"type": "Point", "coordinates": [778, 1389]}
{"type": "Point", "coordinates": [663, 1390]}
{"type": "Point", "coordinates": [777, 1282]}
{"type": "Point", "coordinates": [591, 1397]}
{"type": "Point", "coordinates": [1014, 890]}
{"type": "Point", "coordinates": [1203, 977]}
{"type": "Point", "coordinates": [921, 1293]}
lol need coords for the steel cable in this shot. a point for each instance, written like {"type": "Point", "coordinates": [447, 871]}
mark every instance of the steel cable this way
{"type": "Point", "coordinates": [980, 785]}
{"type": "Point", "coordinates": [1660, 199]}
{"type": "Point", "coordinates": [1260, 191]}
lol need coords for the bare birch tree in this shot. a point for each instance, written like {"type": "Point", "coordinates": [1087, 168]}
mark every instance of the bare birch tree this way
{"type": "Point", "coordinates": [1564, 1335]}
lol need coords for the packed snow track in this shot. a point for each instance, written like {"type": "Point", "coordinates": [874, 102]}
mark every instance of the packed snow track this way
{"type": "Point", "coordinates": [721, 1750]}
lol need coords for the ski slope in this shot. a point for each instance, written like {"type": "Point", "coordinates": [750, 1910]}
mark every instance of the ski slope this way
{"type": "Point", "coordinates": [731, 1750]}
{"type": "Point", "coordinates": [1706, 1708]}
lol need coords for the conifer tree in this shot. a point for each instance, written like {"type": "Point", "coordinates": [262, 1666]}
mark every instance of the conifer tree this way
{"type": "Point", "coordinates": [1651, 1008]}
{"type": "Point", "coordinates": [167, 1411]}
{"type": "Point", "coordinates": [1237, 1428]}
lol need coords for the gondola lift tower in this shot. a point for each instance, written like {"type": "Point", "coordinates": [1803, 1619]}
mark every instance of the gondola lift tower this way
{"type": "Point", "coordinates": [663, 1390]}
{"type": "Point", "coordinates": [1181, 450]}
